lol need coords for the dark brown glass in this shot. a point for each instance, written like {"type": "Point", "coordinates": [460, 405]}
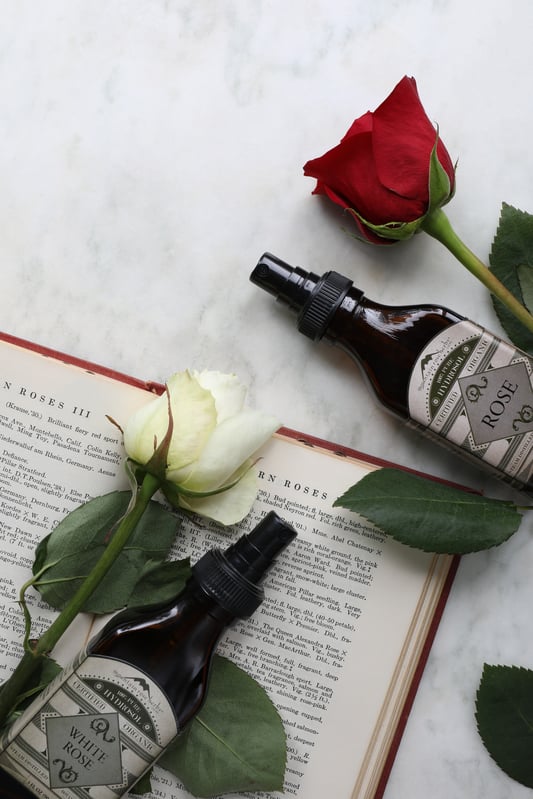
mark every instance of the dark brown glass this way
{"type": "Point", "coordinates": [11, 789]}
{"type": "Point", "coordinates": [386, 341]}
{"type": "Point", "coordinates": [174, 643]}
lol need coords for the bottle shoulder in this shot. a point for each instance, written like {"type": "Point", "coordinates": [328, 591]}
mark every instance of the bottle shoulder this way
{"type": "Point", "coordinates": [362, 308]}
{"type": "Point", "coordinates": [386, 342]}
{"type": "Point", "coordinates": [408, 326]}
{"type": "Point", "coordinates": [160, 624]}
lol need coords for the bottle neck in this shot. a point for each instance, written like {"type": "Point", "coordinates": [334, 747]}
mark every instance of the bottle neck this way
{"type": "Point", "coordinates": [325, 298]}
{"type": "Point", "coordinates": [384, 340]}
{"type": "Point", "coordinates": [315, 299]}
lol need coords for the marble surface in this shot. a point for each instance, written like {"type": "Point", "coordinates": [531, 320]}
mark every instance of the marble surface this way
{"type": "Point", "coordinates": [151, 150]}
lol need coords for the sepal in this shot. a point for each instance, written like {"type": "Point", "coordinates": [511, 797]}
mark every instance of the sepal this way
{"type": "Point", "coordinates": [157, 465]}
{"type": "Point", "coordinates": [393, 231]}
{"type": "Point", "coordinates": [440, 188]}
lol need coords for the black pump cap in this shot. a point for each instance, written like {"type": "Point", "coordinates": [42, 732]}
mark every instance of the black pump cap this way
{"type": "Point", "coordinates": [314, 298]}
{"type": "Point", "coordinates": [233, 578]}
{"type": "Point", "coordinates": [288, 284]}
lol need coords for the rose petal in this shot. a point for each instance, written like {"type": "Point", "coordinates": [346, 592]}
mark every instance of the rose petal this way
{"type": "Point", "coordinates": [230, 445]}
{"type": "Point", "coordinates": [362, 124]}
{"type": "Point", "coordinates": [403, 139]}
{"type": "Point", "coordinates": [149, 421]}
{"type": "Point", "coordinates": [349, 170]}
{"type": "Point", "coordinates": [228, 391]}
{"type": "Point", "coordinates": [228, 507]}
{"type": "Point", "coordinates": [194, 415]}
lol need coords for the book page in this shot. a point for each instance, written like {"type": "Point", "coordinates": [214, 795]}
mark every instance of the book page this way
{"type": "Point", "coordinates": [57, 450]}
{"type": "Point", "coordinates": [346, 610]}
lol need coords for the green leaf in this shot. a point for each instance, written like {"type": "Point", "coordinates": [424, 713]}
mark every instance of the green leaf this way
{"type": "Point", "coordinates": [160, 582]}
{"type": "Point", "coordinates": [48, 669]}
{"type": "Point", "coordinates": [504, 713]}
{"type": "Point", "coordinates": [525, 278]}
{"type": "Point", "coordinates": [429, 515]}
{"type": "Point", "coordinates": [72, 549]}
{"type": "Point", "coordinates": [512, 249]}
{"type": "Point", "coordinates": [45, 673]}
{"type": "Point", "coordinates": [143, 786]}
{"type": "Point", "coordinates": [235, 743]}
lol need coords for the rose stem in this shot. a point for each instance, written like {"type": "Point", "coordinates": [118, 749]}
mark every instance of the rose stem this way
{"type": "Point", "coordinates": [31, 659]}
{"type": "Point", "coordinates": [438, 225]}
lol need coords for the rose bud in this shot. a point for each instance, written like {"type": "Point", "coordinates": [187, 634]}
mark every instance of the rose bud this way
{"type": "Point", "coordinates": [210, 438]}
{"type": "Point", "coordinates": [390, 170]}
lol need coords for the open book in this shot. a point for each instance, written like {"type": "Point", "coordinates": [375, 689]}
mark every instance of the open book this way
{"type": "Point", "coordinates": [349, 616]}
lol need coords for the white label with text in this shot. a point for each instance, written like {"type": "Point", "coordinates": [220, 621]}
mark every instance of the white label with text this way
{"type": "Point", "coordinates": [100, 723]}
{"type": "Point", "coordinates": [475, 391]}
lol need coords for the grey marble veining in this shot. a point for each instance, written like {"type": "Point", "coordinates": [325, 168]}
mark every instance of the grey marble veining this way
{"type": "Point", "coordinates": [150, 151]}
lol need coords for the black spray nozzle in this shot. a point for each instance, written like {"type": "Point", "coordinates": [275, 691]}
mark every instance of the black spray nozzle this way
{"type": "Point", "coordinates": [314, 298]}
{"type": "Point", "coordinates": [233, 577]}
{"type": "Point", "coordinates": [288, 284]}
{"type": "Point", "coordinates": [254, 554]}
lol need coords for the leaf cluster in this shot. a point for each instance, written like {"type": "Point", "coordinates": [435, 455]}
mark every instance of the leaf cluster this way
{"type": "Point", "coordinates": [231, 745]}
{"type": "Point", "coordinates": [435, 517]}
{"type": "Point", "coordinates": [440, 518]}
{"type": "Point", "coordinates": [431, 515]}
{"type": "Point", "coordinates": [141, 574]}
{"type": "Point", "coordinates": [504, 714]}
{"type": "Point", "coordinates": [240, 745]}
{"type": "Point", "coordinates": [237, 741]}
{"type": "Point", "coordinates": [511, 260]}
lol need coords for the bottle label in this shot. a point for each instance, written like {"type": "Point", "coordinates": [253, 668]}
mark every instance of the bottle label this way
{"type": "Point", "coordinates": [93, 732]}
{"type": "Point", "coordinates": [475, 391]}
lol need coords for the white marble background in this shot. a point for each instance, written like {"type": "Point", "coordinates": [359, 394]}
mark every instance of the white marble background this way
{"type": "Point", "coordinates": [151, 150]}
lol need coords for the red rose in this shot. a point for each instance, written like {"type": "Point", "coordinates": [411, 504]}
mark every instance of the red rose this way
{"type": "Point", "coordinates": [390, 170]}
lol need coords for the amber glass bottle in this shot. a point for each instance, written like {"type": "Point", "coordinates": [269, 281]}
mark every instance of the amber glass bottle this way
{"type": "Point", "coordinates": [440, 372]}
{"type": "Point", "coordinates": [105, 720]}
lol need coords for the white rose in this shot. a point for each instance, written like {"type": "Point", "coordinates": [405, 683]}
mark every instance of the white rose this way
{"type": "Point", "coordinates": [213, 440]}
